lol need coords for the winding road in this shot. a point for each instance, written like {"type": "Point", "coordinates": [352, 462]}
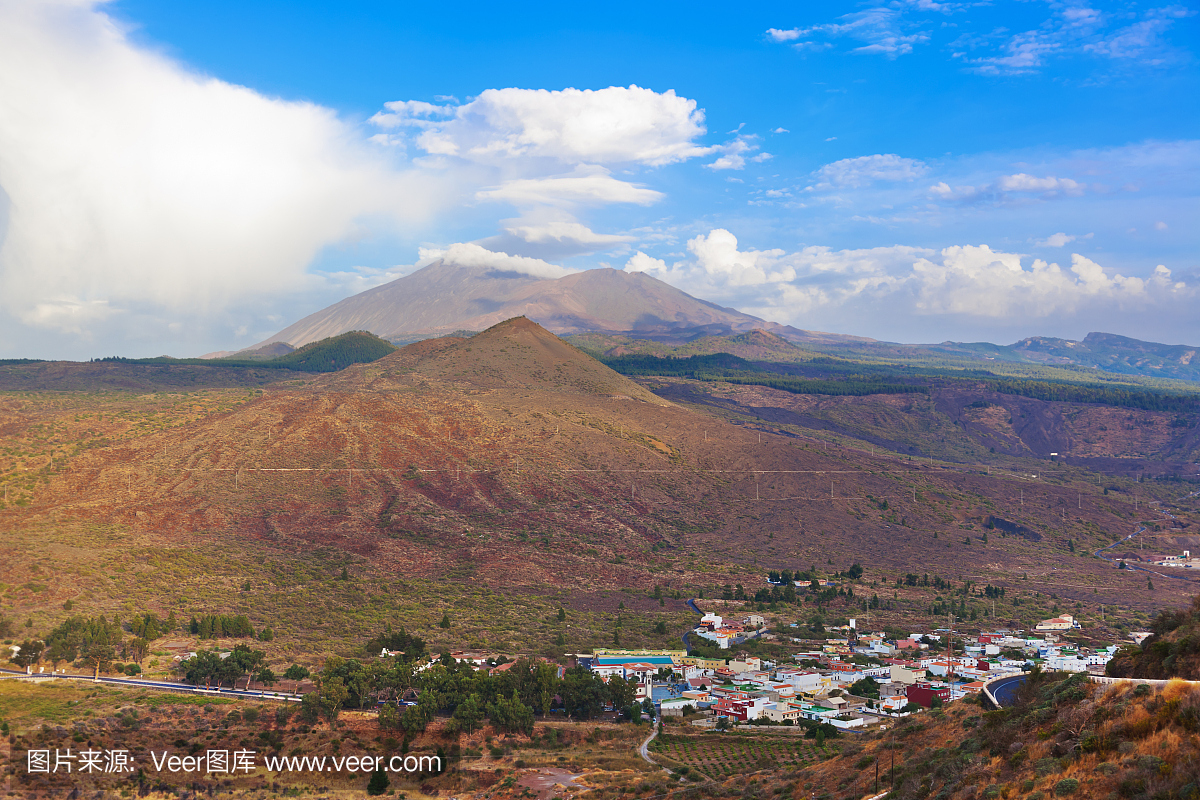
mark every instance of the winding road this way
{"type": "Point", "coordinates": [1005, 690]}
{"type": "Point", "coordinates": [1141, 529]}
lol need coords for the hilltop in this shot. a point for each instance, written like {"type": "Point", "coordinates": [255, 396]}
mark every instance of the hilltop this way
{"type": "Point", "coordinates": [1113, 353]}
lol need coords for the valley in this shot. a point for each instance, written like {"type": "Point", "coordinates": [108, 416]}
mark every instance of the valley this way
{"type": "Point", "coordinates": [510, 495]}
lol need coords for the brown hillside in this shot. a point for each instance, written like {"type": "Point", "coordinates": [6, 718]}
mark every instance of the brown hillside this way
{"type": "Point", "coordinates": [514, 458]}
{"type": "Point", "coordinates": [515, 354]}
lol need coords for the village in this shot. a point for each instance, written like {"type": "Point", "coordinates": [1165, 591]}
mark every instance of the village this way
{"type": "Point", "coordinates": [854, 681]}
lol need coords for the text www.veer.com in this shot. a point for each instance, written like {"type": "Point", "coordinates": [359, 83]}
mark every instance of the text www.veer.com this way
{"type": "Point", "coordinates": [353, 763]}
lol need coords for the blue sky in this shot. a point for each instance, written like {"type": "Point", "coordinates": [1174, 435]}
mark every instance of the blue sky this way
{"type": "Point", "coordinates": [183, 177]}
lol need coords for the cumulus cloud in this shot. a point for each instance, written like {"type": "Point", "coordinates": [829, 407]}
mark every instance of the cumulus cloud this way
{"type": "Point", "coordinates": [468, 254]}
{"type": "Point", "coordinates": [640, 262]}
{"type": "Point", "coordinates": [965, 285]}
{"type": "Point", "coordinates": [617, 125]}
{"type": "Point", "coordinates": [133, 182]}
{"type": "Point", "coordinates": [553, 153]}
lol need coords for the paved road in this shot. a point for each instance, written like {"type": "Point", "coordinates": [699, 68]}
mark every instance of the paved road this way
{"type": "Point", "coordinates": [687, 645]}
{"type": "Point", "coordinates": [1005, 691]}
{"type": "Point", "coordinates": [644, 749]}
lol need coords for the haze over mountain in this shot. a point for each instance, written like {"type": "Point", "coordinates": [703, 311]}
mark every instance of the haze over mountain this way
{"type": "Point", "coordinates": [442, 298]}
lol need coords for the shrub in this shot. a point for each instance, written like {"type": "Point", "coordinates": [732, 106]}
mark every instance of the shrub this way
{"type": "Point", "coordinates": [1065, 787]}
{"type": "Point", "coordinates": [1046, 765]}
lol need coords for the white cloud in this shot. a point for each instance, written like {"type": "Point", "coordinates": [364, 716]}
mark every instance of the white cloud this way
{"type": "Point", "coordinates": [466, 254]}
{"type": "Point", "coordinates": [560, 231]}
{"type": "Point", "coordinates": [861, 171]}
{"type": "Point", "coordinates": [1059, 240]}
{"type": "Point", "coordinates": [881, 29]}
{"type": "Point", "coordinates": [1020, 187]}
{"type": "Point", "coordinates": [1160, 226]}
{"type": "Point", "coordinates": [1044, 186]}
{"type": "Point", "coordinates": [734, 153]}
{"type": "Point", "coordinates": [135, 183]}
{"type": "Point", "coordinates": [890, 286]}
{"type": "Point", "coordinates": [617, 125]}
{"type": "Point", "coordinates": [781, 130]}
{"type": "Point", "coordinates": [585, 186]}
{"type": "Point", "coordinates": [1129, 36]}
{"type": "Point", "coordinates": [640, 262]}
{"type": "Point", "coordinates": [776, 35]}
{"type": "Point", "coordinates": [1082, 31]}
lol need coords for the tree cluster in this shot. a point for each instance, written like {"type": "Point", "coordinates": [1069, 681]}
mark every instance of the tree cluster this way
{"type": "Point", "coordinates": [409, 700]}
{"type": "Point", "coordinates": [221, 626]}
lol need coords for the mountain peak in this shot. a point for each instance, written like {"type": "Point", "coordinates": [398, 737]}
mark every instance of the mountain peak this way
{"type": "Point", "coordinates": [442, 298]}
{"type": "Point", "coordinates": [516, 353]}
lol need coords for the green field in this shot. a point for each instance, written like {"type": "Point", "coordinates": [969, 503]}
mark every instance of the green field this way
{"type": "Point", "coordinates": [717, 755]}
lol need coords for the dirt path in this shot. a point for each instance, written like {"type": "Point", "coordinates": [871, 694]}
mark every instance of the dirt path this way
{"type": "Point", "coordinates": [550, 782]}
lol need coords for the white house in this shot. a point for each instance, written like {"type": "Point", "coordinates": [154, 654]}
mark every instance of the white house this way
{"type": "Point", "coordinates": [1064, 623]}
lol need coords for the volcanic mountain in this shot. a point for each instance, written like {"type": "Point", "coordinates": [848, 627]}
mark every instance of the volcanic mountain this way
{"type": "Point", "coordinates": [442, 298]}
{"type": "Point", "coordinates": [521, 456]}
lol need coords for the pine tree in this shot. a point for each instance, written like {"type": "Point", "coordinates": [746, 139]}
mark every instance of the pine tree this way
{"type": "Point", "coordinates": [378, 784]}
{"type": "Point", "coordinates": [445, 623]}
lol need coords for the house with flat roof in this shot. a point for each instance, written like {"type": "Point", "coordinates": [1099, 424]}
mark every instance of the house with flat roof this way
{"type": "Point", "coordinates": [1063, 623]}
